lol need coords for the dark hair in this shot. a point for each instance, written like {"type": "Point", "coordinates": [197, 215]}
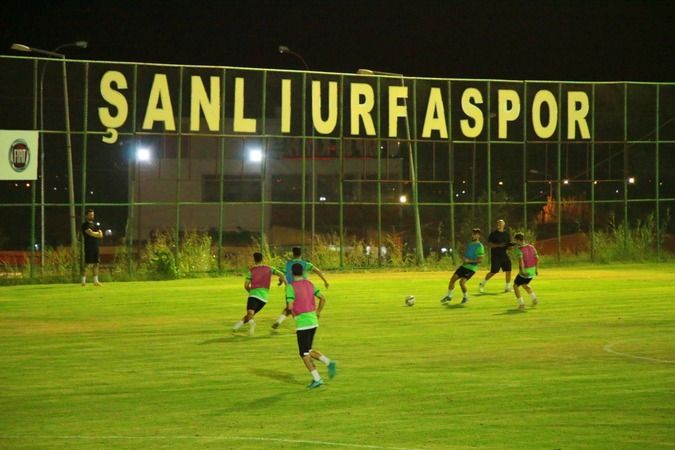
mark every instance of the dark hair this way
{"type": "Point", "coordinates": [297, 269]}
{"type": "Point", "coordinates": [88, 210]}
{"type": "Point", "coordinates": [476, 230]}
{"type": "Point", "coordinates": [257, 257]}
{"type": "Point", "coordinates": [519, 237]}
{"type": "Point", "coordinates": [297, 252]}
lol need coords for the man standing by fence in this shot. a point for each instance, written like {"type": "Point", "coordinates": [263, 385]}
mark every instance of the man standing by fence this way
{"type": "Point", "coordinates": [91, 235]}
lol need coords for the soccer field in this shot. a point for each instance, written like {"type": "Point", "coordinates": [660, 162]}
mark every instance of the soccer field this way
{"type": "Point", "coordinates": [156, 365]}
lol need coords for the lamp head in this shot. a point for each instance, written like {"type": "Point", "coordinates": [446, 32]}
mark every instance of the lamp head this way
{"type": "Point", "coordinates": [284, 49]}
{"type": "Point", "coordinates": [81, 44]}
{"type": "Point", "coordinates": [365, 72]}
{"type": "Point", "coordinates": [20, 47]}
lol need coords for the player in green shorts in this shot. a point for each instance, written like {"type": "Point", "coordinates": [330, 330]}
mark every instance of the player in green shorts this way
{"type": "Point", "coordinates": [257, 285]}
{"type": "Point", "coordinates": [528, 265]}
{"type": "Point", "coordinates": [306, 267]}
{"type": "Point", "coordinates": [300, 295]}
{"type": "Point", "coordinates": [472, 257]}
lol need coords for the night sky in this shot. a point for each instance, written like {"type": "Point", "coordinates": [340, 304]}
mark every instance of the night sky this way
{"type": "Point", "coordinates": [550, 40]}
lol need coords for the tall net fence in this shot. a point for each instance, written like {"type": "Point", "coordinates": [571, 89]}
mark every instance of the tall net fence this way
{"type": "Point", "coordinates": [371, 169]}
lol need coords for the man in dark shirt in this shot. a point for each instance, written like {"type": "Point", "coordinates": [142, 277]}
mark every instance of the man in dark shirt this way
{"type": "Point", "coordinates": [498, 242]}
{"type": "Point", "coordinates": [91, 234]}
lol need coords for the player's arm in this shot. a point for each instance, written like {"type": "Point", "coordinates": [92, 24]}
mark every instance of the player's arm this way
{"type": "Point", "coordinates": [322, 303]}
{"type": "Point", "coordinates": [282, 279]}
{"type": "Point", "coordinates": [247, 283]}
{"type": "Point", "coordinates": [94, 234]}
{"type": "Point", "coordinates": [320, 274]}
{"type": "Point", "coordinates": [290, 298]}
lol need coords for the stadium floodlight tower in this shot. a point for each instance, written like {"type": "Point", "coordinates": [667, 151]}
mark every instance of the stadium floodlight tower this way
{"type": "Point", "coordinates": [69, 153]}
{"type": "Point", "coordinates": [285, 50]}
{"type": "Point", "coordinates": [413, 174]}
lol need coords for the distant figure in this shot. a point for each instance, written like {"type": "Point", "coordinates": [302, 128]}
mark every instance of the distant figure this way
{"type": "Point", "coordinates": [91, 235]}
{"type": "Point", "coordinates": [300, 296]}
{"type": "Point", "coordinates": [472, 257]}
{"type": "Point", "coordinates": [306, 267]}
{"type": "Point", "coordinates": [498, 242]}
{"type": "Point", "coordinates": [528, 264]}
{"type": "Point", "coordinates": [257, 284]}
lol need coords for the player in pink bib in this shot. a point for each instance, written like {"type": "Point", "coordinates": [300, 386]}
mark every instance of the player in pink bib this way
{"type": "Point", "coordinates": [528, 264]}
{"type": "Point", "coordinates": [257, 285]}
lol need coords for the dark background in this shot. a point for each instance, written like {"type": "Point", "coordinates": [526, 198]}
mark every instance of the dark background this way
{"type": "Point", "coordinates": [549, 40]}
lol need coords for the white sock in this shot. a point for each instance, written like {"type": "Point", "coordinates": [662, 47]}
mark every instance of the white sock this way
{"type": "Point", "coordinates": [533, 296]}
{"type": "Point", "coordinates": [464, 295]}
{"type": "Point", "coordinates": [84, 280]}
{"type": "Point", "coordinates": [95, 278]}
{"type": "Point", "coordinates": [315, 375]}
{"type": "Point", "coordinates": [521, 301]}
{"type": "Point", "coordinates": [238, 325]}
{"type": "Point", "coordinates": [449, 293]}
{"type": "Point", "coordinates": [508, 286]}
{"type": "Point", "coordinates": [251, 323]}
{"type": "Point", "coordinates": [281, 318]}
{"type": "Point", "coordinates": [483, 283]}
{"type": "Point", "coordinates": [324, 359]}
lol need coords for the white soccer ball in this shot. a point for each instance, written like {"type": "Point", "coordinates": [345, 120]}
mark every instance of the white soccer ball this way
{"type": "Point", "coordinates": [410, 300]}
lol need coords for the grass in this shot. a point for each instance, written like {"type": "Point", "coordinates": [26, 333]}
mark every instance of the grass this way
{"type": "Point", "coordinates": [155, 365]}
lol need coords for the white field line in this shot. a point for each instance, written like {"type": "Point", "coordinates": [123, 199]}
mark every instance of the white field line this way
{"type": "Point", "coordinates": [610, 348]}
{"type": "Point", "coordinates": [201, 438]}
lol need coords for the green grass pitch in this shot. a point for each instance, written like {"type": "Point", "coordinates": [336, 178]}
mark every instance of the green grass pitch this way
{"type": "Point", "coordinates": [156, 365]}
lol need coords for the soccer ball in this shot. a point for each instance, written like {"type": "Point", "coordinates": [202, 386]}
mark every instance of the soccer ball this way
{"type": "Point", "coordinates": [410, 300]}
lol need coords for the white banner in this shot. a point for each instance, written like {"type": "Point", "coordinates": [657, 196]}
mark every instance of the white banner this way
{"type": "Point", "coordinates": [18, 154]}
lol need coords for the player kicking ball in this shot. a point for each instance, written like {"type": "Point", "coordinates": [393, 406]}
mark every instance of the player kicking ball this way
{"type": "Point", "coordinates": [528, 263]}
{"type": "Point", "coordinates": [472, 257]}
{"type": "Point", "coordinates": [300, 295]}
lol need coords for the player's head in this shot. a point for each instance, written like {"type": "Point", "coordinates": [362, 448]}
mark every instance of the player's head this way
{"type": "Point", "coordinates": [501, 224]}
{"type": "Point", "coordinates": [89, 214]}
{"type": "Point", "coordinates": [257, 257]}
{"type": "Point", "coordinates": [297, 270]}
{"type": "Point", "coordinates": [475, 234]}
{"type": "Point", "coordinates": [519, 237]}
{"type": "Point", "coordinates": [297, 252]}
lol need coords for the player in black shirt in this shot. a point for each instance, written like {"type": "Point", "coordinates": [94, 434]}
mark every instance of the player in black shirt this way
{"type": "Point", "coordinates": [498, 242]}
{"type": "Point", "coordinates": [92, 235]}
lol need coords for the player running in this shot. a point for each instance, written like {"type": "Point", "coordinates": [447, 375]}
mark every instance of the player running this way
{"type": "Point", "coordinates": [257, 285]}
{"type": "Point", "coordinates": [472, 257]}
{"type": "Point", "coordinates": [498, 242]}
{"type": "Point", "coordinates": [300, 296]}
{"type": "Point", "coordinates": [528, 263]}
{"type": "Point", "coordinates": [306, 267]}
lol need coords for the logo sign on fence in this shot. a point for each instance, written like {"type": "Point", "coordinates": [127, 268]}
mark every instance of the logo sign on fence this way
{"type": "Point", "coordinates": [20, 148]}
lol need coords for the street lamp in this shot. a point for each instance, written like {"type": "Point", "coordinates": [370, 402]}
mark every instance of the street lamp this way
{"type": "Point", "coordinates": [285, 50]}
{"type": "Point", "coordinates": [69, 155]}
{"type": "Point", "coordinates": [413, 175]}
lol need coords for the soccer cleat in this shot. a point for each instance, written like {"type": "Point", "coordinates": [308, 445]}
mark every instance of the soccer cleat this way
{"type": "Point", "coordinates": [464, 300]}
{"type": "Point", "coordinates": [481, 287]}
{"type": "Point", "coordinates": [446, 299]}
{"type": "Point", "coordinates": [507, 289]}
{"type": "Point", "coordinates": [521, 306]}
{"type": "Point", "coordinates": [535, 302]}
{"type": "Point", "coordinates": [332, 369]}
{"type": "Point", "coordinates": [275, 325]}
{"type": "Point", "coordinates": [315, 384]}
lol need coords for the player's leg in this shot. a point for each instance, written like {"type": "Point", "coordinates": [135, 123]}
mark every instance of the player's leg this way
{"type": "Point", "coordinates": [517, 283]}
{"type": "Point", "coordinates": [285, 313]}
{"type": "Point", "coordinates": [305, 339]}
{"type": "Point", "coordinates": [506, 267]}
{"type": "Point", "coordinates": [462, 285]}
{"type": "Point", "coordinates": [533, 296]}
{"type": "Point", "coordinates": [96, 282]}
{"type": "Point", "coordinates": [451, 287]}
{"type": "Point", "coordinates": [490, 274]}
{"type": "Point", "coordinates": [84, 274]}
{"type": "Point", "coordinates": [332, 365]}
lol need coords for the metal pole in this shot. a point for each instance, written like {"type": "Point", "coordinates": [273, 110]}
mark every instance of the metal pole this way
{"type": "Point", "coordinates": [69, 162]}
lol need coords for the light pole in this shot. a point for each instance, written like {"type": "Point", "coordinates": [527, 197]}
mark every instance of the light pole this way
{"type": "Point", "coordinates": [69, 155]}
{"type": "Point", "coordinates": [285, 50]}
{"type": "Point", "coordinates": [413, 173]}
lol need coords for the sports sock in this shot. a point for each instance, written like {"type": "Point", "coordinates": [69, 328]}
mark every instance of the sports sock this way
{"type": "Point", "coordinates": [84, 280]}
{"type": "Point", "coordinates": [533, 296]}
{"type": "Point", "coordinates": [508, 286]}
{"type": "Point", "coordinates": [324, 359]}
{"type": "Point", "coordinates": [464, 295]}
{"type": "Point", "coordinates": [449, 293]}
{"type": "Point", "coordinates": [95, 278]}
{"type": "Point", "coordinates": [315, 375]}
{"type": "Point", "coordinates": [238, 325]}
{"type": "Point", "coordinates": [281, 318]}
{"type": "Point", "coordinates": [521, 301]}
